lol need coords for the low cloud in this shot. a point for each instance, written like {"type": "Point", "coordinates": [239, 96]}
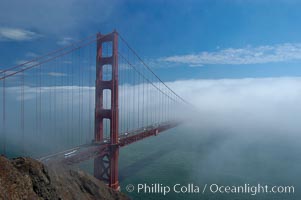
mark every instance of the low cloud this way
{"type": "Point", "coordinates": [65, 41]}
{"type": "Point", "coordinates": [240, 56]}
{"type": "Point", "coordinates": [237, 104]}
{"type": "Point", "coordinates": [55, 17]}
{"type": "Point", "coordinates": [15, 34]}
{"type": "Point", "coordinates": [31, 55]}
{"type": "Point", "coordinates": [57, 74]}
{"type": "Point", "coordinates": [263, 105]}
{"type": "Point", "coordinates": [251, 107]}
{"type": "Point", "coordinates": [26, 63]}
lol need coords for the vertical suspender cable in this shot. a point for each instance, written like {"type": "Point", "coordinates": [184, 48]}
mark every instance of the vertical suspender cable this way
{"type": "Point", "coordinates": [4, 116]}
{"type": "Point", "coordinates": [22, 112]}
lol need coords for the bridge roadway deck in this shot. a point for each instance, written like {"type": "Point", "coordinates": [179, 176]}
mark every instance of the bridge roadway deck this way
{"type": "Point", "coordinates": [95, 149]}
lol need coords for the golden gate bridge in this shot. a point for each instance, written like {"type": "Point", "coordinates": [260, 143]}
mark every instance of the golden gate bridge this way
{"type": "Point", "coordinates": [71, 105]}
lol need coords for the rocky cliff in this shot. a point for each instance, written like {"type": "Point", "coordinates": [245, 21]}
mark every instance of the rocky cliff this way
{"type": "Point", "coordinates": [26, 178]}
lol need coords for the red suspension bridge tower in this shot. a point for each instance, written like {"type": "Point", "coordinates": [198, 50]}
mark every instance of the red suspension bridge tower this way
{"type": "Point", "coordinates": [106, 165]}
{"type": "Point", "coordinates": [147, 108]}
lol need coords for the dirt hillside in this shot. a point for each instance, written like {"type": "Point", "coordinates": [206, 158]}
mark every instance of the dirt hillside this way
{"type": "Point", "coordinates": [26, 178]}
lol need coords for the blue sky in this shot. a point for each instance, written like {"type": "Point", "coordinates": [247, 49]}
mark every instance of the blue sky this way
{"type": "Point", "coordinates": [180, 39]}
{"type": "Point", "coordinates": [244, 45]}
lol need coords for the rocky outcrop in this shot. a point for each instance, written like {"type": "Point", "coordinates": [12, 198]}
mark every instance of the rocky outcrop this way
{"type": "Point", "coordinates": [26, 178]}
